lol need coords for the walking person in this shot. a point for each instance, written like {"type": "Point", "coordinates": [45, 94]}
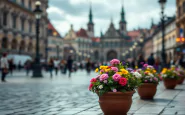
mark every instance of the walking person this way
{"type": "Point", "coordinates": [28, 67]}
{"type": "Point", "coordinates": [4, 67]}
{"type": "Point", "coordinates": [69, 65]}
{"type": "Point", "coordinates": [151, 60]}
{"type": "Point", "coordinates": [11, 66]}
{"type": "Point", "coordinates": [140, 62]}
{"type": "Point", "coordinates": [56, 66]}
{"type": "Point", "coordinates": [88, 66]}
{"type": "Point", "coordinates": [50, 67]}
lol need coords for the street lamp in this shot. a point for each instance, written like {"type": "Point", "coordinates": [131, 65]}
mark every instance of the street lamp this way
{"type": "Point", "coordinates": [37, 66]}
{"type": "Point", "coordinates": [162, 3]}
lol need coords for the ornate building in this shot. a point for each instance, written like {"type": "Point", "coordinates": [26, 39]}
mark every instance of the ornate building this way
{"type": "Point", "coordinates": [17, 27]}
{"type": "Point", "coordinates": [114, 42]}
{"type": "Point", "coordinates": [77, 44]}
{"type": "Point", "coordinates": [55, 43]}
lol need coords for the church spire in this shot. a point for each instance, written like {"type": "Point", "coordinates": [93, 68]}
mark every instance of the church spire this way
{"type": "Point", "coordinates": [152, 22]}
{"type": "Point", "coordinates": [90, 15]}
{"type": "Point", "coordinates": [123, 14]}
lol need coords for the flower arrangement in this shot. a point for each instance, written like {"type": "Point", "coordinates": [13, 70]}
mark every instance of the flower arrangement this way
{"type": "Point", "coordinates": [114, 78]}
{"type": "Point", "coordinates": [170, 73]}
{"type": "Point", "coordinates": [148, 74]}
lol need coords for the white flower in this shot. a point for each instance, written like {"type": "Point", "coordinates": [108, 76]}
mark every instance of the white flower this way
{"type": "Point", "coordinates": [151, 75]}
{"type": "Point", "coordinates": [164, 75]}
{"type": "Point", "coordinates": [101, 87]}
{"type": "Point", "coordinates": [137, 75]}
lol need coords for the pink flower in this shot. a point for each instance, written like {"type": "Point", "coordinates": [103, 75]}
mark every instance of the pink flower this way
{"type": "Point", "coordinates": [105, 81]}
{"type": "Point", "coordinates": [146, 81]}
{"type": "Point", "coordinates": [103, 77]}
{"type": "Point", "coordinates": [93, 80]}
{"type": "Point", "coordinates": [116, 77]}
{"type": "Point", "coordinates": [151, 80]}
{"type": "Point", "coordinates": [122, 81]}
{"type": "Point", "coordinates": [155, 79]}
{"type": "Point", "coordinates": [101, 70]}
{"type": "Point", "coordinates": [114, 62]}
{"type": "Point", "coordinates": [145, 65]}
{"type": "Point", "coordinates": [90, 86]}
{"type": "Point", "coordinates": [115, 69]}
{"type": "Point", "coordinates": [114, 90]}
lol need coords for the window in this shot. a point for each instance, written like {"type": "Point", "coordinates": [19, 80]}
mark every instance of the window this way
{"type": "Point", "coordinates": [14, 18]}
{"type": "Point", "coordinates": [22, 2]}
{"type": "Point", "coordinates": [183, 7]}
{"type": "Point", "coordinates": [22, 25]}
{"type": "Point", "coordinates": [29, 5]}
{"type": "Point", "coordinates": [4, 18]}
{"type": "Point", "coordinates": [179, 11]}
{"type": "Point", "coordinates": [30, 27]}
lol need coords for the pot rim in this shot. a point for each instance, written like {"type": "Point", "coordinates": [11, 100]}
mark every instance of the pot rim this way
{"type": "Point", "coordinates": [149, 84]}
{"type": "Point", "coordinates": [127, 92]}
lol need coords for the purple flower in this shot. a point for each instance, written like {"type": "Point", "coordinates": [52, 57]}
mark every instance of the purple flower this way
{"type": "Point", "coordinates": [141, 63]}
{"type": "Point", "coordinates": [146, 81]}
{"type": "Point", "coordinates": [145, 65]}
{"type": "Point", "coordinates": [151, 80]}
{"type": "Point", "coordinates": [123, 62]}
{"type": "Point", "coordinates": [129, 69]}
{"type": "Point", "coordinates": [155, 79]}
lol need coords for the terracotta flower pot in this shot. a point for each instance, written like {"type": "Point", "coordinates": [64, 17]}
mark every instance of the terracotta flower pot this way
{"type": "Point", "coordinates": [170, 83]}
{"type": "Point", "coordinates": [116, 103]}
{"type": "Point", "coordinates": [147, 90]}
{"type": "Point", "coordinates": [180, 81]}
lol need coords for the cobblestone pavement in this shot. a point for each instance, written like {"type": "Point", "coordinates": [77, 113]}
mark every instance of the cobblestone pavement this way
{"type": "Point", "coordinates": [61, 95]}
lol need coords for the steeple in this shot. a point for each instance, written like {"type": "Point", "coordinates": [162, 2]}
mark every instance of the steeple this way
{"type": "Point", "coordinates": [123, 23]}
{"type": "Point", "coordinates": [90, 25]}
{"type": "Point", "coordinates": [152, 22]}
{"type": "Point", "coordinates": [90, 15]}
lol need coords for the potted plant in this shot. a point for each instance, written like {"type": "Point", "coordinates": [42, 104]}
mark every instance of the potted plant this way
{"type": "Point", "coordinates": [149, 79]}
{"type": "Point", "coordinates": [181, 74]}
{"type": "Point", "coordinates": [170, 77]}
{"type": "Point", "coordinates": [115, 86]}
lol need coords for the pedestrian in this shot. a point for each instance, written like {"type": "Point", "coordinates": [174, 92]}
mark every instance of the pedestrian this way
{"type": "Point", "coordinates": [28, 67]}
{"type": "Point", "coordinates": [56, 65]}
{"type": "Point", "coordinates": [69, 65]}
{"type": "Point", "coordinates": [151, 60]}
{"type": "Point", "coordinates": [19, 66]}
{"type": "Point", "coordinates": [50, 66]}
{"type": "Point", "coordinates": [140, 62]}
{"type": "Point", "coordinates": [11, 66]}
{"type": "Point", "coordinates": [157, 64]}
{"type": "Point", "coordinates": [4, 67]}
{"type": "Point", "coordinates": [88, 66]}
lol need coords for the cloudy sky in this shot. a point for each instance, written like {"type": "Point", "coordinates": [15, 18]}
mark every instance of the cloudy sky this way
{"type": "Point", "coordinates": [63, 13]}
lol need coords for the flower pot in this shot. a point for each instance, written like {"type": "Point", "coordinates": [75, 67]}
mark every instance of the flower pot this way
{"type": "Point", "coordinates": [170, 83]}
{"type": "Point", "coordinates": [147, 90]}
{"type": "Point", "coordinates": [116, 103]}
{"type": "Point", "coordinates": [180, 81]}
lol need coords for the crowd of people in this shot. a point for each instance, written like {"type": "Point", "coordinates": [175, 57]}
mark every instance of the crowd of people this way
{"type": "Point", "coordinates": [69, 65]}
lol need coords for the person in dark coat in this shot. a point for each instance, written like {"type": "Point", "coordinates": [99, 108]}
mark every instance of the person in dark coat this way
{"type": "Point", "coordinates": [11, 66]}
{"type": "Point", "coordinates": [51, 66]}
{"type": "Point", "coordinates": [88, 66]}
{"type": "Point", "coordinates": [70, 65]}
{"type": "Point", "coordinates": [151, 60]}
{"type": "Point", "coordinates": [140, 62]}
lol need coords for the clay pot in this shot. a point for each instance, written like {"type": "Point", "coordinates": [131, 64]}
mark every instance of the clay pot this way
{"type": "Point", "coordinates": [180, 81]}
{"type": "Point", "coordinates": [170, 83]}
{"type": "Point", "coordinates": [116, 103]}
{"type": "Point", "coordinates": [147, 90]}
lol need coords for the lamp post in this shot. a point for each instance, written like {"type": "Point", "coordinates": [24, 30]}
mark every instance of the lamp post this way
{"type": "Point", "coordinates": [37, 66]}
{"type": "Point", "coordinates": [162, 3]}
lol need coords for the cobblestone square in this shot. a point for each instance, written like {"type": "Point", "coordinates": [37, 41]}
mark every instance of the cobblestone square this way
{"type": "Point", "coordinates": [61, 95]}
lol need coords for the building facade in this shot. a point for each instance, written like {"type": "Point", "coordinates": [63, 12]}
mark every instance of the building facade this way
{"type": "Point", "coordinates": [77, 44]}
{"type": "Point", "coordinates": [170, 39]}
{"type": "Point", "coordinates": [180, 23]}
{"type": "Point", "coordinates": [17, 27]}
{"type": "Point", "coordinates": [55, 43]}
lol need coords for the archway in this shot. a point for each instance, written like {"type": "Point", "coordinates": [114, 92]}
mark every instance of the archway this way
{"type": "Point", "coordinates": [30, 47]}
{"type": "Point", "coordinates": [4, 43]}
{"type": "Point", "coordinates": [111, 55]}
{"type": "Point", "coordinates": [14, 44]}
{"type": "Point", "coordinates": [22, 46]}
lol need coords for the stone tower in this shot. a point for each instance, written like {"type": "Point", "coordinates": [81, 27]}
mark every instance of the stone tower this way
{"type": "Point", "coordinates": [90, 25]}
{"type": "Point", "coordinates": [123, 23]}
